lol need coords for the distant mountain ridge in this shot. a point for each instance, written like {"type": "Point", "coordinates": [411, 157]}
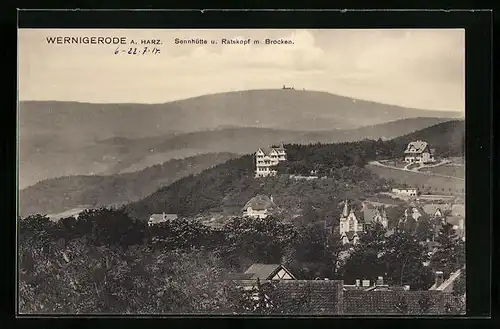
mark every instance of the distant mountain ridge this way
{"type": "Point", "coordinates": [53, 156]}
{"type": "Point", "coordinates": [65, 193]}
{"type": "Point", "coordinates": [49, 196]}
{"type": "Point", "coordinates": [277, 109]}
{"type": "Point", "coordinates": [233, 183]}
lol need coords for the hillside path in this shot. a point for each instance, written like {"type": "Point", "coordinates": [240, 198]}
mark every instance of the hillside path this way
{"type": "Point", "coordinates": [378, 163]}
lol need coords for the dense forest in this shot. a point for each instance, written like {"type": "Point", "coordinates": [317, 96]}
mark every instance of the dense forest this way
{"type": "Point", "coordinates": [91, 264]}
{"type": "Point", "coordinates": [448, 140]}
{"type": "Point", "coordinates": [228, 186]}
{"type": "Point", "coordinates": [60, 194]}
{"type": "Point", "coordinates": [108, 262]}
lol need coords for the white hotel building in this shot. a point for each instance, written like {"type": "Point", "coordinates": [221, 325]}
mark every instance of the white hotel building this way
{"type": "Point", "coordinates": [266, 160]}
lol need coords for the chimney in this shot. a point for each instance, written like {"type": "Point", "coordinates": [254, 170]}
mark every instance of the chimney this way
{"type": "Point", "coordinates": [380, 281]}
{"type": "Point", "coordinates": [163, 216]}
{"type": "Point", "coordinates": [406, 288]}
{"type": "Point", "coordinates": [439, 278]}
{"type": "Point", "coordinates": [358, 282]}
{"type": "Point", "coordinates": [366, 283]}
{"type": "Point", "coordinates": [271, 197]}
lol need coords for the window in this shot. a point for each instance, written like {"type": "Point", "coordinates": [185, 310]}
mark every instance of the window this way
{"type": "Point", "coordinates": [351, 225]}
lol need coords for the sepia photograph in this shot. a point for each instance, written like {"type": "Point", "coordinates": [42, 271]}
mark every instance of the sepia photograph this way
{"type": "Point", "coordinates": [263, 172]}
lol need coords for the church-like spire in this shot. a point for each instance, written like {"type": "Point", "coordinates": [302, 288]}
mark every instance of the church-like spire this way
{"type": "Point", "coordinates": [345, 213]}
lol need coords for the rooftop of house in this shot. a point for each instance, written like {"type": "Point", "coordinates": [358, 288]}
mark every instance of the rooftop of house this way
{"type": "Point", "coordinates": [391, 302]}
{"type": "Point", "coordinates": [327, 297]}
{"type": "Point", "coordinates": [350, 235]}
{"type": "Point", "coordinates": [431, 208]}
{"type": "Point", "coordinates": [446, 283]}
{"type": "Point", "coordinates": [267, 150]}
{"type": "Point", "coordinates": [458, 209]}
{"type": "Point", "coordinates": [264, 271]}
{"type": "Point", "coordinates": [416, 147]}
{"type": "Point", "coordinates": [260, 202]}
{"type": "Point", "coordinates": [310, 296]}
{"type": "Point", "coordinates": [158, 218]}
{"type": "Point", "coordinates": [405, 188]}
{"type": "Point", "coordinates": [370, 211]}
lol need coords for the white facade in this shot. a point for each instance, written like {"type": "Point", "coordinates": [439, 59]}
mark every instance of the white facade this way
{"type": "Point", "coordinates": [410, 191]}
{"type": "Point", "coordinates": [256, 213]}
{"type": "Point", "coordinates": [267, 160]}
{"type": "Point", "coordinates": [418, 152]}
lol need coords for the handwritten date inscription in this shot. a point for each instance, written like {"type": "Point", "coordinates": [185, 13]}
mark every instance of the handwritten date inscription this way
{"type": "Point", "coordinates": [137, 51]}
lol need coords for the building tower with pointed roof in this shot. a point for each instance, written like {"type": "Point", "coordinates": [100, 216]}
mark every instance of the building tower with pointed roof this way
{"type": "Point", "coordinates": [349, 225]}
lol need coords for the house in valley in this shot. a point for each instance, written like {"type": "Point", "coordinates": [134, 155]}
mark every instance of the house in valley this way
{"type": "Point", "coordinates": [418, 152]}
{"type": "Point", "coordinates": [407, 191]}
{"type": "Point", "coordinates": [161, 218]}
{"type": "Point", "coordinates": [260, 206]}
{"type": "Point", "coordinates": [266, 160]}
{"type": "Point", "coordinates": [350, 225]}
{"type": "Point", "coordinates": [375, 285]}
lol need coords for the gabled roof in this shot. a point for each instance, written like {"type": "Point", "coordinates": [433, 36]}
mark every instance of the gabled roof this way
{"type": "Point", "coordinates": [431, 208]}
{"type": "Point", "coordinates": [416, 147]}
{"type": "Point", "coordinates": [265, 271]}
{"type": "Point", "coordinates": [268, 150]}
{"type": "Point", "coordinates": [370, 211]}
{"type": "Point", "coordinates": [350, 235]}
{"type": "Point", "coordinates": [260, 202]}
{"type": "Point", "coordinates": [385, 302]}
{"type": "Point", "coordinates": [310, 296]}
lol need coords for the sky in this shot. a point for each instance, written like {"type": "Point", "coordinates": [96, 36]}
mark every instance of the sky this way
{"type": "Point", "coordinates": [419, 68]}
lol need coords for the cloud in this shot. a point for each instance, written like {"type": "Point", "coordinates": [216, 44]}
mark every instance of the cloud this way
{"type": "Point", "coordinates": [301, 55]}
{"type": "Point", "coordinates": [416, 68]}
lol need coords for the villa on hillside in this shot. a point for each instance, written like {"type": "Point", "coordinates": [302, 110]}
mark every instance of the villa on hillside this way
{"type": "Point", "coordinates": [260, 206]}
{"type": "Point", "coordinates": [418, 152]}
{"type": "Point", "coordinates": [266, 160]}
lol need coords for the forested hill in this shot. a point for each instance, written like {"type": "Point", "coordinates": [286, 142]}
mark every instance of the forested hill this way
{"type": "Point", "coordinates": [60, 194]}
{"type": "Point", "coordinates": [231, 184]}
{"type": "Point", "coordinates": [448, 138]}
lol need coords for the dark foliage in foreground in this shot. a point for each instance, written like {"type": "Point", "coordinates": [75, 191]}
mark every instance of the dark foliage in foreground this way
{"type": "Point", "coordinates": [92, 265]}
